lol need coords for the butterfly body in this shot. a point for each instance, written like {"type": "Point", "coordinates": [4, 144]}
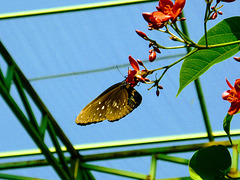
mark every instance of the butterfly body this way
{"type": "Point", "coordinates": [113, 104]}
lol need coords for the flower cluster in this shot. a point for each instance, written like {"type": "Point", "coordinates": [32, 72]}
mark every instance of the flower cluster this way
{"type": "Point", "coordinates": [233, 96]}
{"type": "Point", "coordinates": [137, 75]}
{"type": "Point", "coordinates": [166, 11]}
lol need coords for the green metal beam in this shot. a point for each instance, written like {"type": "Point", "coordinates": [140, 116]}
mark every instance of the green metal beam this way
{"type": "Point", "coordinates": [199, 91]}
{"type": "Point", "coordinates": [181, 178]}
{"type": "Point", "coordinates": [31, 130]}
{"type": "Point", "coordinates": [123, 143]}
{"type": "Point", "coordinates": [153, 166]}
{"type": "Point", "coordinates": [26, 104]}
{"type": "Point", "coordinates": [30, 122]}
{"type": "Point", "coordinates": [37, 100]}
{"type": "Point", "coordinates": [173, 159]}
{"type": "Point", "coordinates": [114, 171]}
{"type": "Point", "coordinates": [160, 154]}
{"type": "Point", "coordinates": [15, 177]}
{"type": "Point", "coordinates": [72, 8]}
{"type": "Point", "coordinates": [146, 152]}
{"type": "Point", "coordinates": [154, 152]}
{"type": "Point", "coordinates": [61, 156]}
{"type": "Point", "coordinates": [235, 159]}
{"type": "Point", "coordinates": [9, 77]}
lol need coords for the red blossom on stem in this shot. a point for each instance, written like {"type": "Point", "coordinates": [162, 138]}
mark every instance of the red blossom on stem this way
{"type": "Point", "coordinates": [166, 11]}
{"type": "Point", "coordinates": [141, 34]}
{"type": "Point", "coordinates": [136, 75]}
{"type": "Point", "coordinates": [233, 96]}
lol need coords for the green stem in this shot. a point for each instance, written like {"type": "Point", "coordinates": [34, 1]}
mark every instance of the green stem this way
{"type": "Point", "coordinates": [163, 47]}
{"type": "Point", "coordinates": [207, 13]}
{"type": "Point", "coordinates": [219, 45]}
{"type": "Point", "coordinates": [187, 40]}
{"type": "Point", "coordinates": [176, 62]}
{"type": "Point", "coordinates": [167, 67]}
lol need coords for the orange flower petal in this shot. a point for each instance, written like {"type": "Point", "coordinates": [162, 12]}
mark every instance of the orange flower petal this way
{"type": "Point", "coordinates": [235, 106]}
{"type": "Point", "coordinates": [165, 3]}
{"type": "Point", "coordinates": [237, 87]}
{"type": "Point", "coordinates": [226, 94]}
{"type": "Point", "coordinates": [229, 84]}
{"type": "Point", "coordinates": [133, 63]}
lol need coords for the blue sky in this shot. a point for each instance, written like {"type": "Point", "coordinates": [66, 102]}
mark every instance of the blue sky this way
{"type": "Point", "coordinates": [94, 39]}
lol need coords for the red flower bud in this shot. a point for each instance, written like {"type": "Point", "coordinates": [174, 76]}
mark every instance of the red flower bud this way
{"type": "Point", "coordinates": [150, 51]}
{"type": "Point", "coordinates": [146, 79]}
{"type": "Point", "coordinates": [237, 59]}
{"type": "Point", "coordinates": [220, 12]}
{"type": "Point", "coordinates": [156, 49]}
{"type": "Point", "coordinates": [157, 92]}
{"type": "Point", "coordinates": [141, 34]}
{"type": "Point", "coordinates": [140, 62]}
{"type": "Point", "coordinates": [160, 87]}
{"type": "Point", "coordinates": [183, 19]}
{"type": "Point", "coordinates": [214, 16]}
{"type": "Point", "coordinates": [150, 44]}
{"type": "Point", "coordinates": [152, 56]}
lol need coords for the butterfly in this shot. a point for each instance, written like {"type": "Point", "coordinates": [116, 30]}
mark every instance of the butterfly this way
{"type": "Point", "coordinates": [113, 104]}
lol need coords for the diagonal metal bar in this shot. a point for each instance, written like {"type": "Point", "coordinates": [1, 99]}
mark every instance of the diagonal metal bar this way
{"type": "Point", "coordinates": [61, 157]}
{"type": "Point", "coordinates": [2, 79]}
{"type": "Point", "coordinates": [15, 177]}
{"type": "Point", "coordinates": [37, 100]}
{"type": "Point", "coordinates": [114, 171]}
{"type": "Point", "coordinates": [43, 126]}
{"type": "Point", "coordinates": [31, 126]}
{"type": "Point", "coordinates": [172, 159]}
{"type": "Point", "coordinates": [25, 102]}
{"type": "Point", "coordinates": [9, 77]}
{"type": "Point", "coordinates": [180, 178]}
{"type": "Point", "coordinates": [31, 130]}
{"type": "Point", "coordinates": [72, 8]}
{"type": "Point", "coordinates": [75, 170]}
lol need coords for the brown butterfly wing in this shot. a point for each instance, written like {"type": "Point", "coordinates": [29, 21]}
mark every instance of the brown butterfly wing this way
{"type": "Point", "coordinates": [95, 111]}
{"type": "Point", "coordinates": [123, 103]}
{"type": "Point", "coordinates": [113, 104]}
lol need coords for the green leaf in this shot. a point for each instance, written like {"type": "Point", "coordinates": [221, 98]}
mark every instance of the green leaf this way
{"type": "Point", "coordinates": [210, 163]}
{"type": "Point", "coordinates": [200, 61]}
{"type": "Point", "coordinates": [226, 125]}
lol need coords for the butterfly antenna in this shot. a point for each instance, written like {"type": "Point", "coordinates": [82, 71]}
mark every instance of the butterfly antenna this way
{"type": "Point", "coordinates": [120, 71]}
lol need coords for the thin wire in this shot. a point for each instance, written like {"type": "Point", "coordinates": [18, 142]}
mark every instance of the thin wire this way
{"type": "Point", "coordinates": [97, 70]}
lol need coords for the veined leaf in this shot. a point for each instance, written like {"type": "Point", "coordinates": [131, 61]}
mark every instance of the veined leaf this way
{"type": "Point", "coordinates": [200, 61]}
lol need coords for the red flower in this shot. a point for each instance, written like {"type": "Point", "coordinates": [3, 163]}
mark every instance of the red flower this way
{"type": "Point", "coordinates": [156, 19]}
{"type": "Point", "coordinates": [134, 76]}
{"type": "Point", "coordinates": [233, 96]}
{"type": "Point", "coordinates": [166, 11]}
